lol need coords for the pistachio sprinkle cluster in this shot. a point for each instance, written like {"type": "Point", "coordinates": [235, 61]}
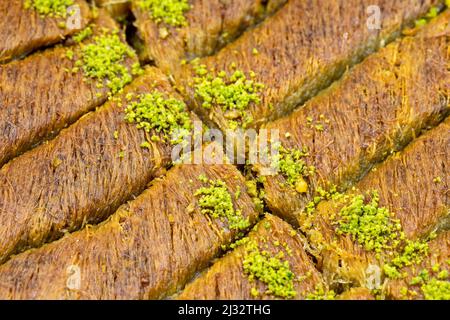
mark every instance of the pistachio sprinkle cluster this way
{"type": "Point", "coordinates": [434, 287]}
{"type": "Point", "coordinates": [271, 269]}
{"type": "Point", "coordinates": [170, 12]}
{"type": "Point", "coordinates": [104, 60]}
{"type": "Point", "coordinates": [375, 228]}
{"type": "Point", "coordinates": [83, 34]}
{"type": "Point", "coordinates": [320, 293]}
{"type": "Point", "coordinates": [233, 93]}
{"type": "Point", "coordinates": [216, 201]}
{"type": "Point", "coordinates": [167, 116]}
{"type": "Point", "coordinates": [49, 8]}
{"type": "Point", "coordinates": [372, 226]}
{"type": "Point", "coordinates": [291, 164]}
{"type": "Point", "coordinates": [432, 282]}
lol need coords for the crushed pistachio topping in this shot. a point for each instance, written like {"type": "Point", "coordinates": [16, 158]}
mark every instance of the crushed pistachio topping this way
{"type": "Point", "coordinates": [136, 69]}
{"type": "Point", "coordinates": [431, 14]}
{"type": "Point", "coordinates": [436, 289]}
{"type": "Point", "coordinates": [170, 12]}
{"type": "Point", "coordinates": [216, 202]}
{"type": "Point", "coordinates": [69, 54]}
{"type": "Point", "coordinates": [434, 284]}
{"type": "Point", "coordinates": [320, 293]}
{"type": "Point", "coordinates": [49, 8]}
{"type": "Point", "coordinates": [104, 59]}
{"type": "Point", "coordinates": [167, 116]}
{"type": "Point", "coordinates": [372, 226]}
{"type": "Point", "coordinates": [236, 244]}
{"type": "Point", "coordinates": [234, 94]}
{"type": "Point", "coordinates": [257, 194]}
{"type": "Point", "coordinates": [321, 194]}
{"type": "Point", "coordinates": [291, 164]}
{"type": "Point", "coordinates": [270, 269]}
{"type": "Point", "coordinates": [421, 22]}
{"type": "Point", "coordinates": [413, 253]}
{"type": "Point", "coordinates": [83, 34]}
{"type": "Point", "coordinates": [376, 229]}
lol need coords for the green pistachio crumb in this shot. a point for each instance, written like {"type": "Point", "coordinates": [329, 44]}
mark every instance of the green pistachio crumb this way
{"type": "Point", "coordinates": [254, 292]}
{"type": "Point", "coordinates": [436, 289]}
{"type": "Point", "coordinates": [234, 94]}
{"type": "Point", "coordinates": [413, 252]}
{"type": "Point", "coordinates": [215, 201]}
{"type": "Point", "coordinates": [170, 12]}
{"type": "Point", "coordinates": [376, 229]}
{"type": "Point", "coordinates": [442, 275]}
{"type": "Point", "coordinates": [435, 267]}
{"type": "Point", "coordinates": [404, 291]}
{"type": "Point", "coordinates": [391, 272]}
{"type": "Point", "coordinates": [136, 69]}
{"type": "Point", "coordinates": [370, 225]}
{"type": "Point", "coordinates": [432, 13]}
{"type": "Point", "coordinates": [69, 54]}
{"type": "Point", "coordinates": [155, 138]}
{"type": "Point", "coordinates": [237, 194]}
{"type": "Point", "coordinates": [49, 8]}
{"type": "Point", "coordinates": [146, 145]}
{"type": "Point", "coordinates": [416, 280]}
{"type": "Point", "coordinates": [420, 23]}
{"type": "Point", "coordinates": [320, 293]}
{"type": "Point", "coordinates": [104, 60]}
{"type": "Point", "coordinates": [83, 34]}
{"type": "Point", "coordinates": [166, 116]}
{"type": "Point", "coordinates": [129, 96]}
{"type": "Point", "coordinates": [252, 188]}
{"type": "Point", "coordinates": [203, 178]}
{"type": "Point", "coordinates": [319, 127]}
{"type": "Point", "coordinates": [270, 269]}
{"type": "Point", "coordinates": [291, 165]}
{"type": "Point", "coordinates": [239, 242]}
